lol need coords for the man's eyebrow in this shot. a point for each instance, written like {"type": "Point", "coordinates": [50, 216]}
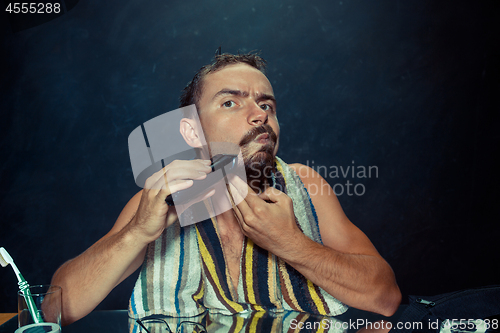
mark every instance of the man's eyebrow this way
{"type": "Point", "coordinates": [235, 92]}
{"type": "Point", "coordinates": [266, 97]}
{"type": "Point", "coordinates": [230, 92]}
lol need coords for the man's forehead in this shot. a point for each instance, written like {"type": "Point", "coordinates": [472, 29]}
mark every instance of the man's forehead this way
{"type": "Point", "coordinates": [242, 77]}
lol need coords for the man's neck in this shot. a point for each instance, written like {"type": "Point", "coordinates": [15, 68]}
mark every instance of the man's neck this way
{"type": "Point", "coordinates": [227, 221]}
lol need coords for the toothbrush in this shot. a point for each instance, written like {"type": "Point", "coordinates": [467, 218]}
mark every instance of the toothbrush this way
{"type": "Point", "coordinates": [6, 259]}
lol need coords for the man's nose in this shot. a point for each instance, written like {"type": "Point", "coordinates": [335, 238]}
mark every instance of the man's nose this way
{"type": "Point", "coordinates": [257, 116]}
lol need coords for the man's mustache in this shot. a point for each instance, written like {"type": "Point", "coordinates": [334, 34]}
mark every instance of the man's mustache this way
{"type": "Point", "coordinates": [256, 131]}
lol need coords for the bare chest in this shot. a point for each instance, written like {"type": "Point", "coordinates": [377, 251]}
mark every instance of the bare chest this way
{"type": "Point", "coordinates": [232, 246]}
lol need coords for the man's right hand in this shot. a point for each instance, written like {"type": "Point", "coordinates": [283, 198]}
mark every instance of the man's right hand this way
{"type": "Point", "coordinates": [154, 214]}
{"type": "Point", "coordinates": [88, 278]}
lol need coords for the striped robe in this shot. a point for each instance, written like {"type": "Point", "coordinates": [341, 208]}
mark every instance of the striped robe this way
{"type": "Point", "coordinates": [251, 322]}
{"type": "Point", "coordinates": [184, 271]}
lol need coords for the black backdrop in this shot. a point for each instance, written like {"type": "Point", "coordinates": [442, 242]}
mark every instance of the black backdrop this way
{"type": "Point", "coordinates": [408, 87]}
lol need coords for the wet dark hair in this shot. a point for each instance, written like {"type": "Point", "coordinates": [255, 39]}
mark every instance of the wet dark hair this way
{"type": "Point", "coordinates": [192, 92]}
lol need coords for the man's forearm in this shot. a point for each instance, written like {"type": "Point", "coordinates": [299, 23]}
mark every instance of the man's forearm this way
{"type": "Point", "coordinates": [87, 279]}
{"type": "Point", "coordinates": [363, 281]}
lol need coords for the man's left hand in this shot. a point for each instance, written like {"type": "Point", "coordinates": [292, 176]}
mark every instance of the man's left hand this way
{"type": "Point", "coordinates": [267, 219]}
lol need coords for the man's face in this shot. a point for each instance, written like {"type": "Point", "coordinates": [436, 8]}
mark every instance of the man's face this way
{"type": "Point", "coordinates": [237, 105]}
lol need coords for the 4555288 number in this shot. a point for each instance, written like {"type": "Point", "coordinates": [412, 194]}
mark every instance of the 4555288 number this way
{"type": "Point", "coordinates": [33, 8]}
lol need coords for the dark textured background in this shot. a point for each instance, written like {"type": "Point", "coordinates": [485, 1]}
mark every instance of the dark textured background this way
{"type": "Point", "coordinates": [411, 87]}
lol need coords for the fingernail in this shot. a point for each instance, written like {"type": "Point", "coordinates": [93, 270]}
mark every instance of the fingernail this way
{"type": "Point", "coordinates": [207, 162]}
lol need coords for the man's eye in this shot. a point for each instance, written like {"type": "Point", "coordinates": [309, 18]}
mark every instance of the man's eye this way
{"type": "Point", "coordinates": [266, 107]}
{"type": "Point", "coordinates": [229, 104]}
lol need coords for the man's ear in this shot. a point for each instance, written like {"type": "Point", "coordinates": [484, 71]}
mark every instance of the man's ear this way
{"type": "Point", "coordinates": [191, 133]}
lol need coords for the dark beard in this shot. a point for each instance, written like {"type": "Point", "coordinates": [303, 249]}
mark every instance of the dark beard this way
{"type": "Point", "coordinates": [259, 166]}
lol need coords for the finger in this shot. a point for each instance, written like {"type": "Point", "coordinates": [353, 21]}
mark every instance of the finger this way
{"type": "Point", "coordinates": [184, 170]}
{"type": "Point", "coordinates": [179, 170]}
{"type": "Point", "coordinates": [191, 162]}
{"type": "Point", "coordinates": [173, 184]}
{"type": "Point", "coordinates": [241, 187]}
{"type": "Point", "coordinates": [176, 186]}
{"type": "Point", "coordinates": [233, 200]}
{"type": "Point", "coordinates": [242, 208]}
{"type": "Point", "coordinates": [236, 196]}
{"type": "Point", "coordinates": [208, 195]}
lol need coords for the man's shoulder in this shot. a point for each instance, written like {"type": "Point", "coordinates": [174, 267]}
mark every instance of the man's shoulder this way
{"type": "Point", "coordinates": [316, 185]}
{"type": "Point", "coordinates": [305, 172]}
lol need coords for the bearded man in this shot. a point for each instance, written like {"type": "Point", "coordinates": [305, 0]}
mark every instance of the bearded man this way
{"type": "Point", "coordinates": [281, 247]}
